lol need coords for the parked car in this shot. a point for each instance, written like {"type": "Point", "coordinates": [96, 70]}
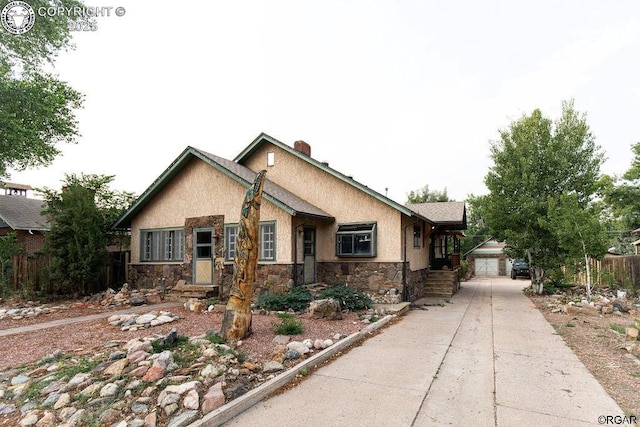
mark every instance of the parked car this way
{"type": "Point", "coordinates": [519, 268]}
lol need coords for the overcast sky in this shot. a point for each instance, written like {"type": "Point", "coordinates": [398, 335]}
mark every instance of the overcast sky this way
{"type": "Point", "coordinates": [399, 94]}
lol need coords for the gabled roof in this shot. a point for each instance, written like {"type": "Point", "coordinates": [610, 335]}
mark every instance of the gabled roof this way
{"type": "Point", "coordinates": [21, 213]}
{"type": "Point", "coordinates": [277, 195]}
{"type": "Point", "coordinates": [488, 246]}
{"type": "Point", "coordinates": [263, 138]}
{"type": "Point", "coordinates": [453, 214]}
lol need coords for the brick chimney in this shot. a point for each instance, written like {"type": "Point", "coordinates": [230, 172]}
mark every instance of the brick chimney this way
{"type": "Point", "coordinates": [302, 147]}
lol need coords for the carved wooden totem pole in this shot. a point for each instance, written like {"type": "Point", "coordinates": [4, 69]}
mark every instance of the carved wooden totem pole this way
{"type": "Point", "coordinates": [237, 315]}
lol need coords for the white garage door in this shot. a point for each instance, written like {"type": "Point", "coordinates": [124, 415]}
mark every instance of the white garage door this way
{"type": "Point", "coordinates": [486, 266]}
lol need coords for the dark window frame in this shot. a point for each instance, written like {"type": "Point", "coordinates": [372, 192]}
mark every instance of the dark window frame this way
{"type": "Point", "coordinates": [417, 236]}
{"type": "Point", "coordinates": [357, 240]}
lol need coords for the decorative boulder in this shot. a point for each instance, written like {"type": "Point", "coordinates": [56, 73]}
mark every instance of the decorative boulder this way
{"type": "Point", "coordinates": [325, 309]}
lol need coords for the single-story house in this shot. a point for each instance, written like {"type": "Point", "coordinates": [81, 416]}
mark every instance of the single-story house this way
{"type": "Point", "coordinates": [317, 225]}
{"type": "Point", "coordinates": [488, 259]}
{"type": "Point", "coordinates": [23, 215]}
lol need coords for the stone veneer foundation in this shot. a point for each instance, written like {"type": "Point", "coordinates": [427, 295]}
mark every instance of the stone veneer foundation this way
{"type": "Point", "coordinates": [377, 279]}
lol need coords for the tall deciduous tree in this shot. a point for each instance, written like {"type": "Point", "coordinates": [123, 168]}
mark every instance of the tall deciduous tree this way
{"type": "Point", "coordinates": [37, 109]}
{"type": "Point", "coordinates": [536, 162]}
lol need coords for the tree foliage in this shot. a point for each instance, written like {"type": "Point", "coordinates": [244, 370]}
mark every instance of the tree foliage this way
{"type": "Point", "coordinates": [477, 230]}
{"type": "Point", "coordinates": [424, 195]}
{"type": "Point", "coordinates": [537, 164]}
{"type": "Point", "coordinates": [9, 246]}
{"type": "Point", "coordinates": [579, 231]}
{"type": "Point", "coordinates": [80, 217]}
{"type": "Point", "coordinates": [622, 195]}
{"type": "Point", "coordinates": [37, 109]}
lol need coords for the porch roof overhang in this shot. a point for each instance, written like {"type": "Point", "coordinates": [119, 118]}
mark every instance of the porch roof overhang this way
{"type": "Point", "coordinates": [447, 217]}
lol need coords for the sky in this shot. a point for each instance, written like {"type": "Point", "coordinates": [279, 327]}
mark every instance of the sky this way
{"type": "Point", "coordinates": [397, 94]}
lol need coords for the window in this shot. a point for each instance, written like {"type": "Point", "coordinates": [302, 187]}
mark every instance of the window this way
{"type": "Point", "coordinates": [162, 245]}
{"type": "Point", "coordinates": [417, 236]}
{"type": "Point", "coordinates": [204, 244]}
{"type": "Point", "coordinates": [267, 236]}
{"type": "Point", "coordinates": [268, 241]}
{"type": "Point", "coordinates": [271, 158]}
{"type": "Point", "coordinates": [356, 240]}
{"type": "Point", "coordinates": [230, 235]}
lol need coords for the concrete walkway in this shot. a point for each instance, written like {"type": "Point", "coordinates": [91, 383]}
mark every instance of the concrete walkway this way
{"type": "Point", "coordinates": [488, 358]}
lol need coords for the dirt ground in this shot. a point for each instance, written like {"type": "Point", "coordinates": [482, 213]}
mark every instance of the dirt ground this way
{"type": "Point", "coordinates": [594, 340]}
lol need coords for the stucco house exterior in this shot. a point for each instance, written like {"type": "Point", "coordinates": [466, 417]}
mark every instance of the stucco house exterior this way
{"type": "Point", "coordinates": [23, 215]}
{"type": "Point", "coordinates": [316, 225]}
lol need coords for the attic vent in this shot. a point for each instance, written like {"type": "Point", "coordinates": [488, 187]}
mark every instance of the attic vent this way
{"type": "Point", "coordinates": [302, 147]}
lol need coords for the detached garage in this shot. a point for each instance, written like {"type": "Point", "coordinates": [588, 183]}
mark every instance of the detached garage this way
{"type": "Point", "coordinates": [488, 259]}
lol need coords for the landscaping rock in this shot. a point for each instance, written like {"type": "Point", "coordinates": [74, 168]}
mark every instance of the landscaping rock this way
{"type": "Point", "coordinates": [325, 309]}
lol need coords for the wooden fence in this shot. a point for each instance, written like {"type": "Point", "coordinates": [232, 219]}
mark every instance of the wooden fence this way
{"type": "Point", "coordinates": [621, 272]}
{"type": "Point", "coordinates": [30, 274]}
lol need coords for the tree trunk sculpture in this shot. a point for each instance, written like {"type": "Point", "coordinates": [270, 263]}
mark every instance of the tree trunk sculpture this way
{"type": "Point", "coordinates": [236, 323]}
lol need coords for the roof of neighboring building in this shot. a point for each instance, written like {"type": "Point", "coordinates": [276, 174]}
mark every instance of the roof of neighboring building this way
{"type": "Point", "coordinates": [277, 195]}
{"type": "Point", "coordinates": [16, 186]}
{"type": "Point", "coordinates": [489, 246]}
{"type": "Point", "coordinates": [447, 213]}
{"type": "Point", "coordinates": [22, 213]}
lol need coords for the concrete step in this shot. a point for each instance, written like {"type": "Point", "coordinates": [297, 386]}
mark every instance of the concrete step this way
{"type": "Point", "coordinates": [182, 292]}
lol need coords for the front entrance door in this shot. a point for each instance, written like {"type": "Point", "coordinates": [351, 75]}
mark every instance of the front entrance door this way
{"type": "Point", "coordinates": [203, 250]}
{"type": "Point", "coordinates": [309, 255]}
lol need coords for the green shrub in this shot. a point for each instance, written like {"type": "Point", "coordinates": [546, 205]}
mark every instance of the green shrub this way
{"type": "Point", "coordinates": [215, 339]}
{"type": "Point", "coordinates": [619, 329]}
{"type": "Point", "coordinates": [297, 299]}
{"type": "Point", "coordinates": [554, 285]}
{"type": "Point", "coordinates": [289, 326]}
{"type": "Point", "coordinates": [350, 299]}
{"type": "Point", "coordinates": [285, 315]}
{"type": "Point", "coordinates": [464, 269]}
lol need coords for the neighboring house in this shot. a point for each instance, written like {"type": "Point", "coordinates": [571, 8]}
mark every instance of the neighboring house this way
{"type": "Point", "coordinates": [488, 259]}
{"type": "Point", "coordinates": [23, 216]}
{"type": "Point", "coordinates": [316, 225]}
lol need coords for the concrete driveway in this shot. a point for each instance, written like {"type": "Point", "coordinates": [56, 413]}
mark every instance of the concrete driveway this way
{"type": "Point", "coordinates": [488, 358]}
